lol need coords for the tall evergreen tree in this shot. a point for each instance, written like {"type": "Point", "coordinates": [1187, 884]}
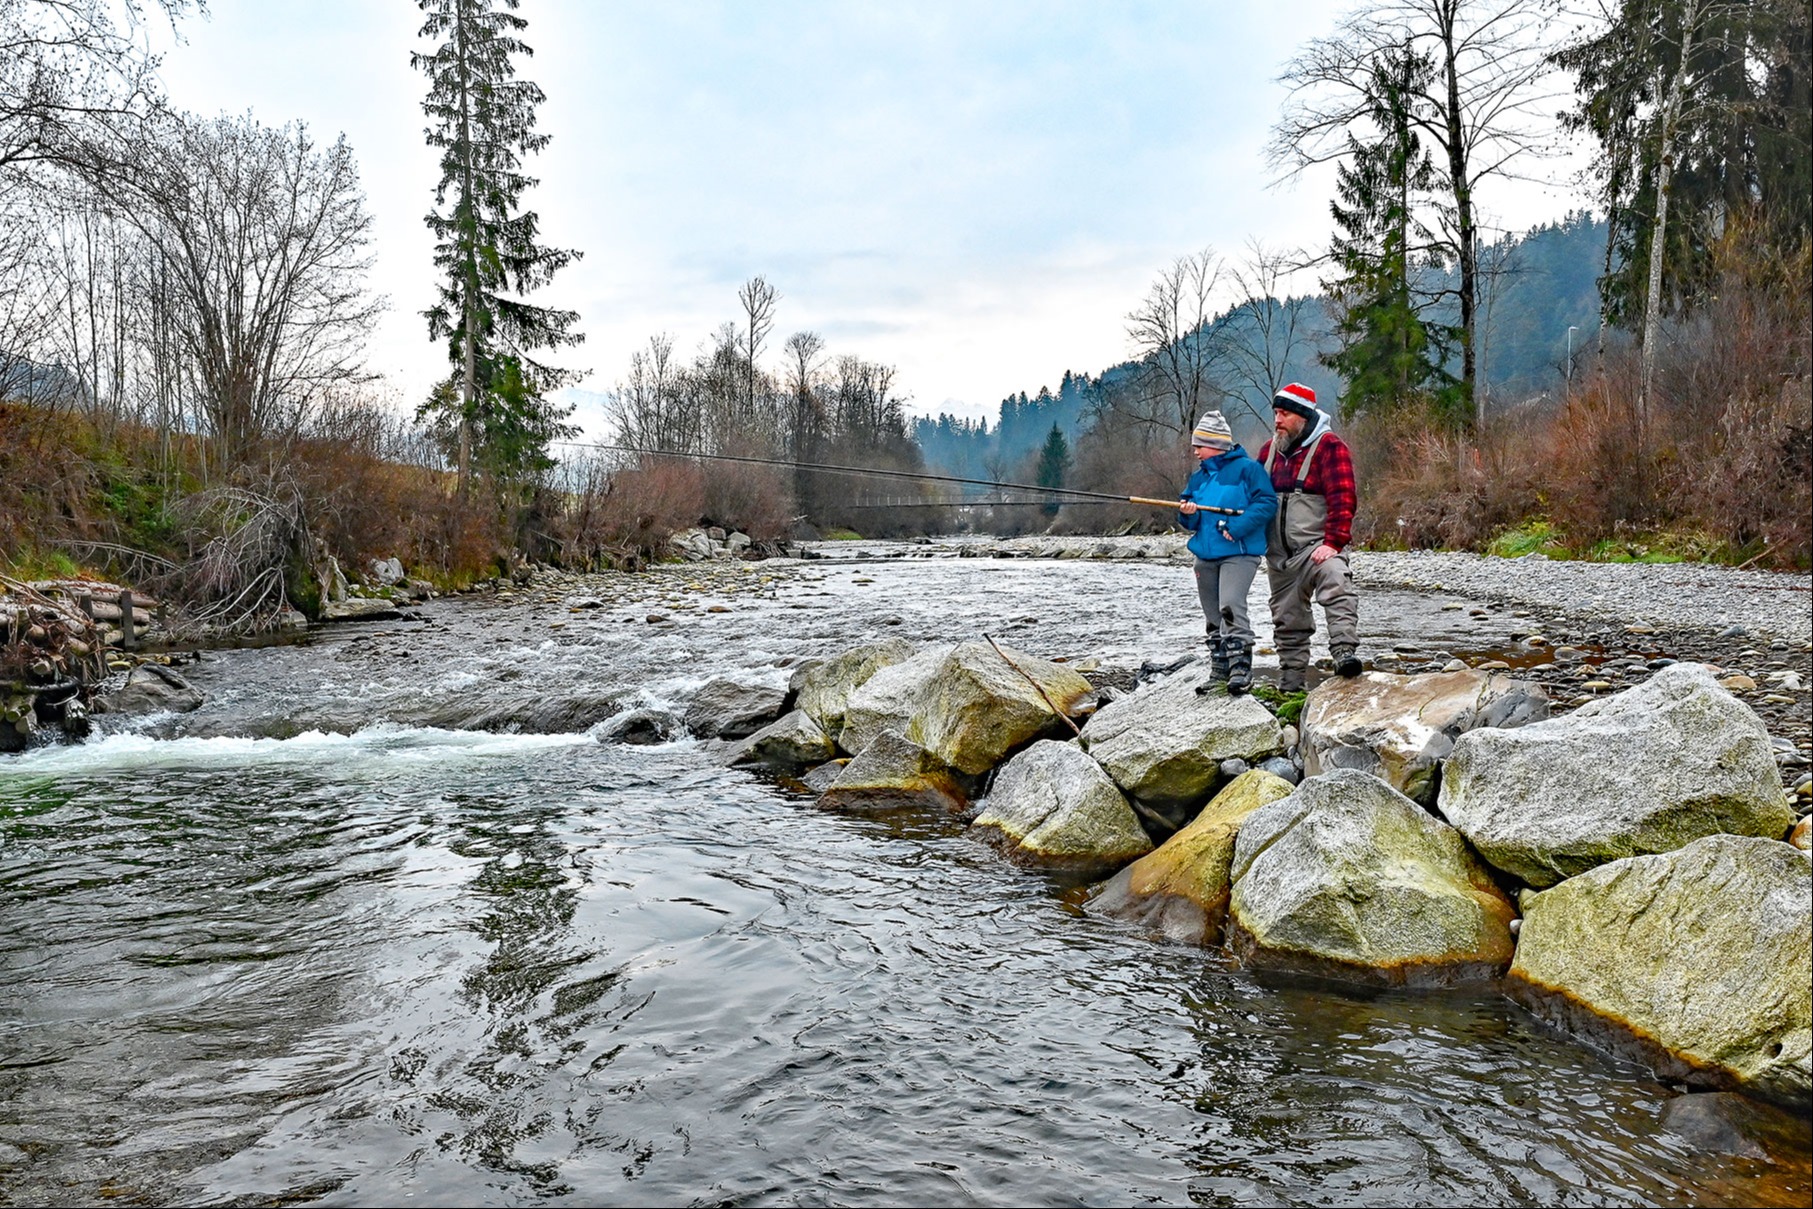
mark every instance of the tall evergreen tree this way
{"type": "Point", "coordinates": [1389, 353]}
{"type": "Point", "coordinates": [1703, 110]}
{"type": "Point", "coordinates": [1054, 466]}
{"type": "Point", "coordinates": [482, 118]}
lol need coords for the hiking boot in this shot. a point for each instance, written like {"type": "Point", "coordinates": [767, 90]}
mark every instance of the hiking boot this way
{"type": "Point", "coordinates": [1293, 680]}
{"type": "Point", "coordinates": [1240, 666]}
{"type": "Point", "coordinates": [1347, 661]}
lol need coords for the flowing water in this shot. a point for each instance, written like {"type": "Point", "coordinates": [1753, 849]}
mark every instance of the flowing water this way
{"type": "Point", "coordinates": [386, 921]}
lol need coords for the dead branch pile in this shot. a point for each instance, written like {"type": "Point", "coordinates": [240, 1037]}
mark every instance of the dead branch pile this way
{"type": "Point", "coordinates": [244, 541]}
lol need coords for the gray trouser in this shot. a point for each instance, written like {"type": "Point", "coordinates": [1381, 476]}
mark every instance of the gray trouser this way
{"type": "Point", "coordinates": [1294, 585]}
{"type": "Point", "coordinates": [1222, 585]}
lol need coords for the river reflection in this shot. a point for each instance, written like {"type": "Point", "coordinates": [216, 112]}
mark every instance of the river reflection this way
{"type": "Point", "coordinates": [458, 968]}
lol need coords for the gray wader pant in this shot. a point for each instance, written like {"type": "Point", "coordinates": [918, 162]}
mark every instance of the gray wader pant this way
{"type": "Point", "coordinates": [1295, 532]}
{"type": "Point", "coordinates": [1222, 584]}
{"type": "Point", "coordinates": [1294, 585]}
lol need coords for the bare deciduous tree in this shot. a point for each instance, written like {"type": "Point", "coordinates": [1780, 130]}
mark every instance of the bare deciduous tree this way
{"type": "Point", "coordinates": [1276, 325]}
{"type": "Point", "coordinates": [1481, 109]}
{"type": "Point", "coordinates": [66, 65]}
{"type": "Point", "coordinates": [1171, 331]}
{"type": "Point", "coordinates": [757, 298]}
{"type": "Point", "coordinates": [260, 236]}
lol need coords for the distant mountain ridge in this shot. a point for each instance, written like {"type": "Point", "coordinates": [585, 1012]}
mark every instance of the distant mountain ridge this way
{"type": "Point", "coordinates": [1535, 286]}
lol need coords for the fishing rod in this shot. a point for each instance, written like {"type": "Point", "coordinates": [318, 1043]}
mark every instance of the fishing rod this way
{"type": "Point", "coordinates": [873, 472]}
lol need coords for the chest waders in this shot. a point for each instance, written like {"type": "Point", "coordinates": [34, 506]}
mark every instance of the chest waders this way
{"type": "Point", "coordinates": [1301, 524]}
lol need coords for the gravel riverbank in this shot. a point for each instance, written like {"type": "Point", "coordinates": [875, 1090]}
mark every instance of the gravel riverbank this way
{"type": "Point", "coordinates": [1765, 604]}
{"type": "Point", "coordinates": [1693, 596]}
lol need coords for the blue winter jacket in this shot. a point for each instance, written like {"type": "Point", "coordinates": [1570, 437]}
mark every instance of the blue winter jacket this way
{"type": "Point", "coordinates": [1229, 480]}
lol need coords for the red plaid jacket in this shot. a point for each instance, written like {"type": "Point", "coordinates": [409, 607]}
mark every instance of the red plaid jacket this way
{"type": "Point", "coordinates": [1330, 475]}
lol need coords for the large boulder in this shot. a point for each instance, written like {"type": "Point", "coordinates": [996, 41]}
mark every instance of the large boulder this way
{"type": "Point", "coordinates": [983, 704]}
{"type": "Point", "coordinates": [894, 773]}
{"type": "Point", "coordinates": [1401, 728]}
{"type": "Point", "coordinates": [1649, 770]}
{"type": "Point", "coordinates": [822, 687]}
{"type": "Point", "coordinates": [150, 688]}
{"type": "Point", "coordinates": [1165, 743]}
{"type": "Point", "coordinates": [1053, 807]}
{"type": "Point", "coordinates": [788, 744]}
{"type": "Point", "coordinates": [965, 704]}
{"type": "Point", "coordinates": [731, 709]}
{"type": "Point", "coordinates": [1350, 879]}
{"type": "Point", "coordinates": [1181, 889]}
{"type": "Point", "coordinates": [887, 700]}
{"type": "Point", "coordinates": [1696, 960]}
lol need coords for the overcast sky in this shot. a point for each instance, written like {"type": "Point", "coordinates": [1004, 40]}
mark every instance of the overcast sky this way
{"type": "Point", "coordinates": [976, 194]}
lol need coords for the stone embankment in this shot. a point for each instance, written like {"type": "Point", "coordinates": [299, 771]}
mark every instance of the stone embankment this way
{"type": "Point", "coordinates": [1622, 870]}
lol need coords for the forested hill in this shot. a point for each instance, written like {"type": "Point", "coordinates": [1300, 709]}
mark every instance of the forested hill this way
{"type": "Point", "coordinates": [1534, 287]}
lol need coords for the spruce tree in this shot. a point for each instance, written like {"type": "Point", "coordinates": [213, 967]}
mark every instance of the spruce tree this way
{"type": "Point", "coordinates": [1054, 466]}
{"type": "Point", "coordinates": [482, 118]}
{"type": "Point", "coordinates": [1389, 352]}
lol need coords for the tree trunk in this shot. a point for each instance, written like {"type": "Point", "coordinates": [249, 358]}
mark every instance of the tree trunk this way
{"type": "Point", "coordinates": [469, 368]}
{"type": "Point", "coordinates": [1658, 235]}
{"type": "Point", "coordinates": [468, 389]}
{"type": "Point", "coordinates": [1448, 15]}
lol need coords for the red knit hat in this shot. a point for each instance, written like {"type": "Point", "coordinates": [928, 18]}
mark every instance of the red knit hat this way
{"type": "Point", "coordinates": [1297, 398]}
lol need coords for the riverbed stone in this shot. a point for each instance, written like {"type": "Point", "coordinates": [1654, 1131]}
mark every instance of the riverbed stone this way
{"type": "Point", "coordinates": [825, 775]}
{"type": "Point", "coordinates": [152, 687]}
{"type": "Point", "coordinates": [641, 727]}
{"type": "Point", "coordinates": [1181, 888]}
{"type": "Point", "coordinates": [894, 773]}
{"type": "Point", "coordinates": [1164, 744]}
{"type": "Point", "coordinates": [1348, 878]}
{"type": "Point", "coordinates": [822, 687]}
{"type": "Point", "coordinates": [694, 545]}
{"type": "Point", "coordinates": [1646, 771]}
{"type": "Point", "coordinates": [1053, 807]}
{"type": "Point", "coordinates": [788, 744]}
{"type": "Point", "coordinates": [730, 709]}
{"type": "Point", "coordinates": [1401, 728]}
{"type": "Point", "coordinates": [1695, 960]}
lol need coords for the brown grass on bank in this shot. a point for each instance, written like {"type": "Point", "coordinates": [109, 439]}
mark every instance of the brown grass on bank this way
{"type": "Point", "coordinates": [1718, 466]}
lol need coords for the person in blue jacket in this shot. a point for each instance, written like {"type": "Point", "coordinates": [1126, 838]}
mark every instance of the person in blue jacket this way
{"type": "Point", "coordinates": [1227, 547]}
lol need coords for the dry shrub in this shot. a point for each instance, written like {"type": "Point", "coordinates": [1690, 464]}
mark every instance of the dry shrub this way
{"type": "Point", "coordinates": [1124, 462]}
{"type": "Point", "coordinates": [1719, 464]}
{"type": "Point", "coordinates": [1423, 484]}
{"type": "Point", "coordinates": [362, 506]}
{"type": "Point", "coordinates": [1762, 489]}
{"type": "Point", "coordinates": [45, 481]}
{"type": "Point", "coordinates": [622, 518]}
{"type": "Point", "coordinates": [758, 500]}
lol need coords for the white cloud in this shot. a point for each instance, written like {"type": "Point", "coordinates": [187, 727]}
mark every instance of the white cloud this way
{"type": "Point", "coordinates": [975, 194]}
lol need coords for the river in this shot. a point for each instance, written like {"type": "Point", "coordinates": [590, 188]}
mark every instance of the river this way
{"type": "Point", "coordinates": [384, 922]}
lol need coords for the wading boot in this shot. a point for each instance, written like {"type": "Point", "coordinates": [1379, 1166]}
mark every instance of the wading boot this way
{"type": "Point", "coordinates": [1218, 664]}
{"type": "Point", "coordinates": [1347, 661]}
{"type": "Point", "coordinates": [1240, 667]}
